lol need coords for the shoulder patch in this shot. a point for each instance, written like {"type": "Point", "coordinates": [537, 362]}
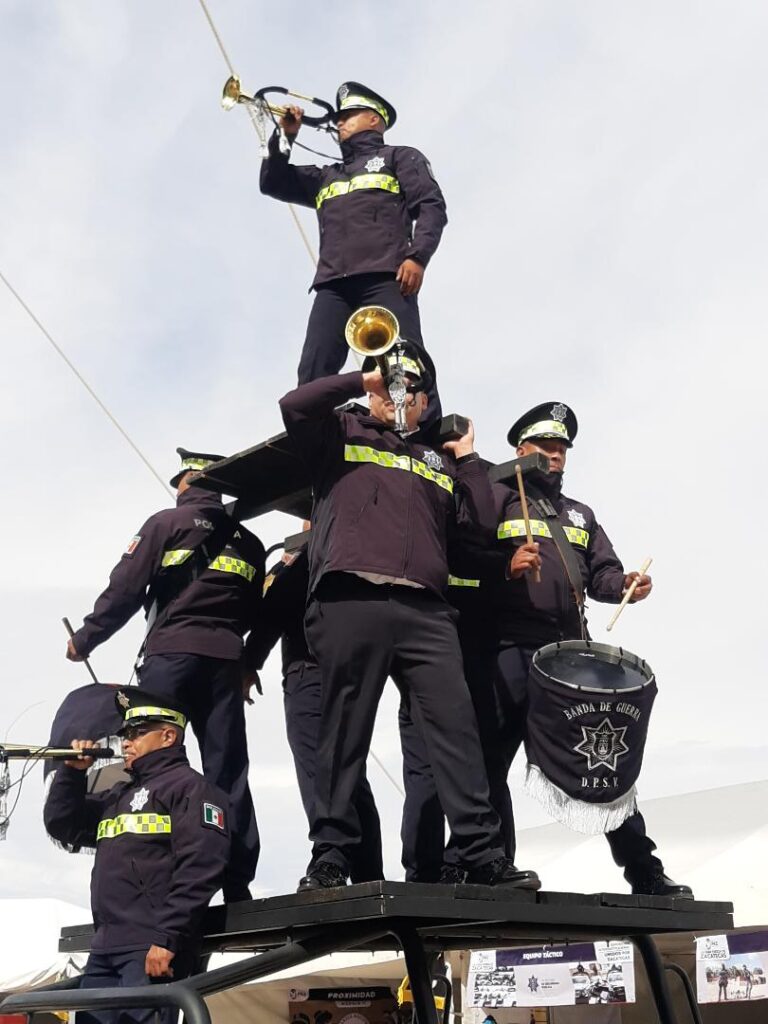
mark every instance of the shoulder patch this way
{"type": "Point", "coordinates": [135, 541]}
{"type": "Point", "coordinates": [213, 817]}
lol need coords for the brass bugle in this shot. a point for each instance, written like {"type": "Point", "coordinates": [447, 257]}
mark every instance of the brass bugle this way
{"type": "Point", "coordinates": [232, 94]}
{"type": "Point", "coordinates": [27, 751]}
{"type": "Point", "coordinates": [372, 331]}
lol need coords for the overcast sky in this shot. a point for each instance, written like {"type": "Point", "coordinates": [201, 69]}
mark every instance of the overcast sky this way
{"type": "Point", "coordinates": [604, 169]}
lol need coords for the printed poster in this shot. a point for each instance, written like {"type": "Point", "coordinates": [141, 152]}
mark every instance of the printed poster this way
{"type": "Point", "coordinates": [732, 968]}
{"type": "Point", "coordinates": [580, 974]}
{"type": "Point", "coordinates": [373, 1005]}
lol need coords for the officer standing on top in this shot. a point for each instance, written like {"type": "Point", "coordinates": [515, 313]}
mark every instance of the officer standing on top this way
{"type": "Point", "coordinates": [282, 618]}
{"type": "Point", "coordinates": [381, 214]}
{"type": "Point", "coordinates": [525, 615]}
{"type": "Point", "coordinates": [198, 574]}
{"type": "Point", "coordinates": [162, 844]}
{"type": "Point", "coordinates": [386, 505]}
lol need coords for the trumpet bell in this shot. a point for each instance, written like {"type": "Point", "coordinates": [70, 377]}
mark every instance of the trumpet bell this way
{"type": "Point", "coordinates": [372, 330]}
{"type": "Point", "coordinates": [231, 93]}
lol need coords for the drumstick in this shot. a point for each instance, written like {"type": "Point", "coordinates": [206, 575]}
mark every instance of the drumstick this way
{"type": "Point", "coordinates": [71, 632]}
{"type": "Point", "coordinates": [630, 591]}
{"type": "Point", "coordinates": [526, 517]}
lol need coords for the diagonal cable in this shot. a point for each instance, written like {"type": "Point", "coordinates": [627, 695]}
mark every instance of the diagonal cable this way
{"type": "Point", "coordinates": [115, 423]}
{"type": "Point", "coordinates": [252, 115]}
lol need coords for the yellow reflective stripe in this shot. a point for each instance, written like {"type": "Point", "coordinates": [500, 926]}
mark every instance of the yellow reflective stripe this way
{"type": "Point", "coordinates": [138, 824]}
{"type": "Point", "coordinates": [516, 528]}
{"type": "Point", "coordinates": [340, 188]}
{"type": "Point", "coordinates": [225, 563]}
{"type": "Point", "coordinates": [577, 536]}
{"type": "Point", "coordinates": [422, 469]}
{"type": "Point", "coordinates": [145, 711]}
{"type": "Point", "coordinates": [196, 463]}
{"type": "Point", "coordinates": [388, 460]}
{"type": "Point", "coordinates": [457, 581]}
{"type": "Point", "coordinates": [176, 557]}
{"type": "Point", "coordinates": [545, 427]}
{"type": "Point", "coordinates": [365, 101]}
{"type": "Point", "coordinates": [409, 365]}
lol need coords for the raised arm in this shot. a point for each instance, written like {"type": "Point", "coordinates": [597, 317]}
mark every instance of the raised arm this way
{"type": "Point", "coordinates": [309, 413]}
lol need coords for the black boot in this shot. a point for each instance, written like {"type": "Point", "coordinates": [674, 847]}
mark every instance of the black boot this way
{"type": "Point", "coordinates": [452, 874]}
{"type": "Point", "coordinates": [323, 875]}
{"type": "Point", "coordinates": [502, 872]}
{"type": "Point", "coordinates": [656, 883]}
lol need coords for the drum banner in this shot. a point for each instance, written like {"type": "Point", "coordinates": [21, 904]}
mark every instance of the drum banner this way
{"type": "Point", "coordinates": [731, 968]}
{"type": "Point", "coordinates": [580, 974]}
{"type": "Point", "coordinates": [585, 751]}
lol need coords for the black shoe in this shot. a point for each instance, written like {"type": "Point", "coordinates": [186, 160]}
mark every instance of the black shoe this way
{"type": "Point", "coordinates": [238, 895]}
{"type": "Point", "coordinates": [658, 884]}
{"type": "Point", "coordinates": [451, 874]}
{"type": "Point", "coordinates": [502, 872]}
{"type": "Point", "coordinates": [324, 875]}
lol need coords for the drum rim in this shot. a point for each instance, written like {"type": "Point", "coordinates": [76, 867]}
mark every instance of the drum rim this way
{"type": "Point", "coordinates": [574, 645]}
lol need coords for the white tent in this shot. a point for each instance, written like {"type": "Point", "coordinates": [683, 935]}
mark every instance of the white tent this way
{"type": "Point", "coordinates": [713, 840]}
{"type": "Point", "coordinates": [29, 943]}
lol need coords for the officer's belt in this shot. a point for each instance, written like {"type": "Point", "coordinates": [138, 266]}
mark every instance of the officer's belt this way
{"type": "Point", "coordinates": [388, 460]}
{"type": "Point", "coordinates": [387, 182]}
{"type": "Point", "coordinates": [138, 824]}
{"type": "Point", "coordinates": [222, 563]}
{"type": "Point", "coordinates": [539, 528]}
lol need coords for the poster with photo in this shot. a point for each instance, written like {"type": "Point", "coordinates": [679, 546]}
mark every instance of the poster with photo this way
{"type": "Point", "coordinates": [580, 974]}
{"type": "Point", "coordinates": [731, 968]}
{"type": "Point", "coordinates": [374, 1005]}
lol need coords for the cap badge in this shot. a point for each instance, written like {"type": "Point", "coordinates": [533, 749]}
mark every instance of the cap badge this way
{"type": "Point", "coordinates": [559, 412]}
{"type": "Point", "coordinates": [432, 459]}
{"type": "Point", "coordinates": [140, 798]}
{"type": "Point", "coordinates": [577, 518]}
{"type": "Point", "coordinates": [375, 164]}
{"type": "Point", "coordinates": [123, 701]}
{"type": "Point", "coordinates": [343, 91]}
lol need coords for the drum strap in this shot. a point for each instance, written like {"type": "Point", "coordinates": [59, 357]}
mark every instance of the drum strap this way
{"type": "Point", "coordinates": [544, 508]}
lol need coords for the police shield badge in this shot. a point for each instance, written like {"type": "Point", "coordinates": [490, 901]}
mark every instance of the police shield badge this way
{"type": "Point", "coordinates": [589, 706]}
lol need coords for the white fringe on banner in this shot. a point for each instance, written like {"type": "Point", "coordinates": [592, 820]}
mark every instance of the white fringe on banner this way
{"type": "Point", "coordinates": [589, 818]}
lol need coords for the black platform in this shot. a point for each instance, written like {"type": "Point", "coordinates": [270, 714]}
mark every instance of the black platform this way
{"type": "Point", "coordinates": [418, 919]}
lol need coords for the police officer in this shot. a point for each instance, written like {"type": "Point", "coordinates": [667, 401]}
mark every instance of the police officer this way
{"type": "Point", "coordinates": [527, 615]}
{"type": "Point", "coordinates": [385, 507]}
{"type": "Point", "coordinates": [199, 575]}
{"type": "Point", "coordinates": [381, 214]}
{"type": "Point", "coordinates": [282, 618]}
{"type": "Point", "coordinates": [162, 844]}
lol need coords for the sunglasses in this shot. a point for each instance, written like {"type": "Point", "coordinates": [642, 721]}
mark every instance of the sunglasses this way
{"type": "Point", "coordinates": [134, 732]}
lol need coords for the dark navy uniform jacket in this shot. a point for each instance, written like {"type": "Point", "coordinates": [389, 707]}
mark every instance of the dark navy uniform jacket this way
{"type": "Point", "coordinates": [383, 504]}
{"type": "Point", "coordinates": [162, 843]}
{"type": "Point", "coordinates": [539, 613]}
{"type": "Point", "coordinates": [378, 206]}
{"type": "Point", "coordinates": [211, 614]}
{"type": "Point", "coordinates": [282, 617]}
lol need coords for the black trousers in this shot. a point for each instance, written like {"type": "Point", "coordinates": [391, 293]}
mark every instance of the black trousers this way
{"type": "Point", "coordinates": [360, 633]}
{"type": "Point", "coordinates": [211, 689]}
{"type": "Point", "coordinates": [498, 683]}
{"type": "Point", "coordinates": [325, 348]}
{"type": "Point", "coordinates": [126, 970]}
{"type": "Point", "coordinates": [302, 696]}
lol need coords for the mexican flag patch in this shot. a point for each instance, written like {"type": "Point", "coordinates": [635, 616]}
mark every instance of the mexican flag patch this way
{"type": "Point", "coordinates": [213, 815]}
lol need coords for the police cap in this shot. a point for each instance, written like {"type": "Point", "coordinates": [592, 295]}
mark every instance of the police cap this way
{"type": "Point", "coordinates": [354, 96]}
{"type": "Point", "coordinates": [137, 706]}
{"type": "Point", "coordinates": [412, 365]}
{"type": "Point", "coordinates": [192, 461]}
{"type": "Point", "coordinates": [550, 419]}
